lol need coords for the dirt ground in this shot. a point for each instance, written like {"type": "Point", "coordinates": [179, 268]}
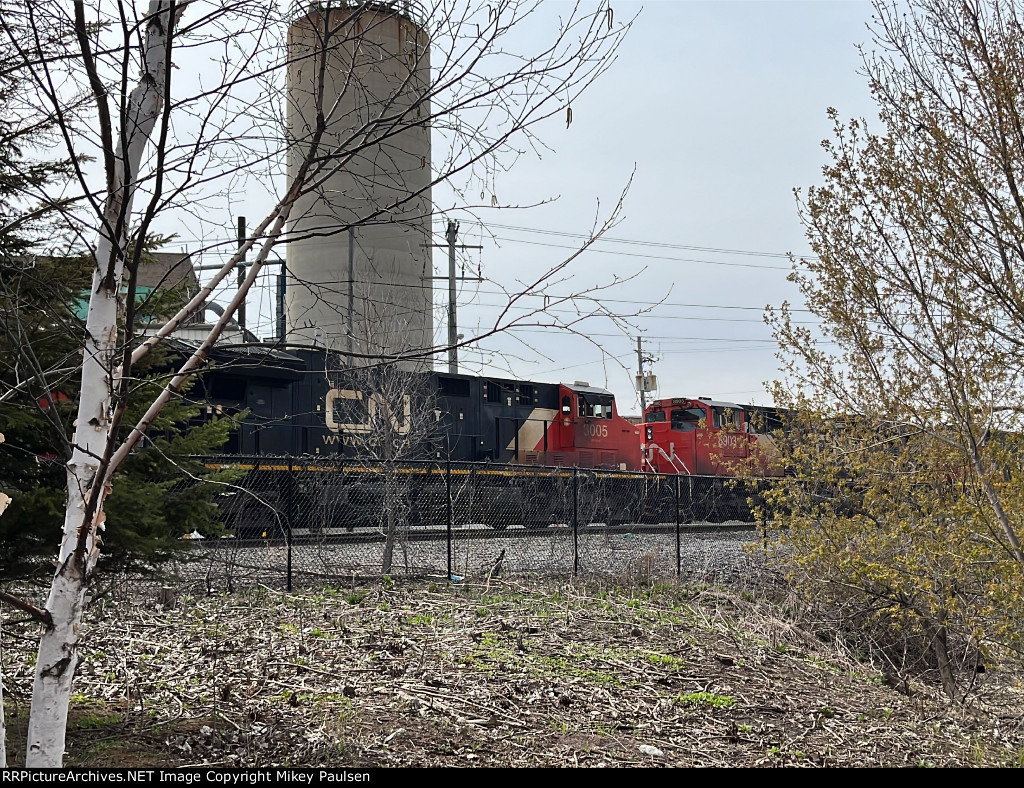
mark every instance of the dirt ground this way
{"type": "Point", "coordinates": [502, 673]}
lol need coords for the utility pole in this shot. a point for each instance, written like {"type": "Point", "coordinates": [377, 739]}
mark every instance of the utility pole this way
{"type": "Point", "coordinates": [451, 236]}
{"type": "Point", "coordinates": [453, 337]}
{"type": "Point", "coordinates": [351, 286]}
{"type": "Point", "coordinates": [241, 274]}
{"type": "Point", "coordinates": [644, 383]}
{"type": "Point", "coordinates": [282, 284]}
{"type": "Point", "coordinates": [241, 266]}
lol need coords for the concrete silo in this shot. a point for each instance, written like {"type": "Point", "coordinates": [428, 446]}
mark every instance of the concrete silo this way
{"type": "Point", "coordinates": [364, 290]}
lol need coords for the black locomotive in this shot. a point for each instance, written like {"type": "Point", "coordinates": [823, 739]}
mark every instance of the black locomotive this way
{"type": "Point", "coordinates": [308, 402]}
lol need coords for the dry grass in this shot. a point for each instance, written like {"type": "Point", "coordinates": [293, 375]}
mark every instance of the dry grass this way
{"type": "Point", "coordinates": [528, 673]}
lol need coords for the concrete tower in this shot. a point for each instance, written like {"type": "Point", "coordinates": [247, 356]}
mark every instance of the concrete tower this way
{"type": "Point", "coordinates": [365, 290]}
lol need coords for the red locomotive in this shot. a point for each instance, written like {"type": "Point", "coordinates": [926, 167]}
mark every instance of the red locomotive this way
{"type": "Point", "coordinates": [703, 437]}
{"type": "Point", "coordinates": [585, 432]}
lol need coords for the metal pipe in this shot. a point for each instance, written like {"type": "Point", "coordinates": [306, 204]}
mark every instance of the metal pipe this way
{"type": "Point", "coordinates": [453, 336]}
{"type": "Point", "coordinates": [241, 271]}
{"type": "Point", "coordinates": [351, 287]}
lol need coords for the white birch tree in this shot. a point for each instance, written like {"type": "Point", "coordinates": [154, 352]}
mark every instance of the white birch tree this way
{"type": "Point", "coordinates": [159, 148]}
{"type": "Point", "coordinates": [4, 502]}
{"type": "Point", "coordinates": [79, 549]}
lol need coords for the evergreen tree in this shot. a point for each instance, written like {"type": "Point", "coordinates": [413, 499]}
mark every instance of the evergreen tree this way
{"type": "Point", "coordinates": [42, 288]}
{"type": "Point", "coordinates": [37, 337]}
{"type": "Point", "coordinates": [153, 503]}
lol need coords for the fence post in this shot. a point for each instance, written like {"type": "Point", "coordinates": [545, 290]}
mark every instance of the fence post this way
{"type": "Point", "coordinates": [575, 521]}
{"type": "Point", "coordinates": [675, 509]}
{"type": "Point", "coordinates": [762, 487]}
{"type": "Point", "coordinates": [451, 512]}
{"type": "Point", "coordinates": [289, 517]}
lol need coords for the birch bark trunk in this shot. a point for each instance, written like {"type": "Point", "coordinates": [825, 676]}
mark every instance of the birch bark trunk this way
{"type": "Point", "coordinates": [4, 503]}
{"type": "Point", "coordinates": [58, 654]}
{"type": "Point", "coordinates": [3, 725]}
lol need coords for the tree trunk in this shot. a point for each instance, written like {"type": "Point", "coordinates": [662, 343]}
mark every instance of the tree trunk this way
{"type": "Point", "coordinates": [390, 520]}
{"type": "Point", "coordinates": [3, 726]}
{"type": "Point", "coordinates": [997, 508]}
{"type": "Point", "coordinates": [5, 501]}
{"type": "Point", "coordinates": [58, 645]}
{"type": "Point", "coordinates": [937, 634]}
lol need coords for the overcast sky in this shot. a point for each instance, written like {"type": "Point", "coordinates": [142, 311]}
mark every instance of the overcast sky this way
{"type": "Point", "coordinates": [720, 108]}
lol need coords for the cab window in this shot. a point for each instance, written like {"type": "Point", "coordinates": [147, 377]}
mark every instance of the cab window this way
{"type": "Point", "coordinates": [728, 418]}
{"type": "Point", "coordinates": [687, 419]}
{"type": "Point", "coordinates": [595, 406]}
{"type": "Point", "coordinates": [653, 416]}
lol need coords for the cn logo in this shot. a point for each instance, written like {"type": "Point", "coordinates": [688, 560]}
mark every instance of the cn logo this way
{"type": "Point", "coordinates": [361, 421]}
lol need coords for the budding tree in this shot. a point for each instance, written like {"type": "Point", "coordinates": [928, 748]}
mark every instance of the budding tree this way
{"type": "Point", "coordinates": [918, 232]}
{"type": "Point", "coordinates": [170, 109]}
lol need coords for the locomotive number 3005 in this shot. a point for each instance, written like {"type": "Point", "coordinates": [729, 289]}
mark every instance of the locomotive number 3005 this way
{"type": "Point", "coordinates": [594, 430]}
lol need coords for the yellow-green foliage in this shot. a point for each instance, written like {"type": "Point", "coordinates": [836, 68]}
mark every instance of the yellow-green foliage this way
{"type": "Point", "coordinates": [891, 525]}
{"type": "Point", "coordinates": [705, 699]}
{"type": "Point", "coordinates": [906, 499]}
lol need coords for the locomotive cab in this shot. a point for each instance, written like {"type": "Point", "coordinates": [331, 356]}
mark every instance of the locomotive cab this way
{"type": "Point", "coordinates": [696, 436]}
{"type": "Point", "coordinates": [590, 433]}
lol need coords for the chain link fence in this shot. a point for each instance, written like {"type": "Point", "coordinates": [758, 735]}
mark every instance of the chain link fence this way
{"type": "Point", "coordinates": [288, 523]}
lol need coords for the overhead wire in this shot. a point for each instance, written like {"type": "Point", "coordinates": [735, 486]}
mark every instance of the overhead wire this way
{"type": "Point", "coordinates": [579, 236]}
{"type": "Point", "coordinates": [618, 253]}
{"type": "Point", "coordinates": [634, 242]}
{"type": "Point", "coordinates": [340, 287]}
{"type": "Point", "coordinates": [604, 300]}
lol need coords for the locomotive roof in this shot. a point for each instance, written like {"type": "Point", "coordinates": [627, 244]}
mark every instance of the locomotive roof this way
{"type": "Point", "coordinates": [245, 359]}
{"type": "Point", "coordinates": [247, 351]}
{"type": "Point", "coordinates": [668, 401]}
{"type": "Point", "coordinates": [587, 389]}
{"type": "Point", "coordinates": [717, 404]}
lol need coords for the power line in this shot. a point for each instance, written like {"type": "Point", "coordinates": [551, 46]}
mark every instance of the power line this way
{"type": "Point", "coordinates": [329, 287]}
{"type": "Point", "coordinates": [604, 300]}
{"type": "Point", "coordinates": [545, 329]}
{"type": "Point", "coordinates": [649, 256]}
{"type": "Point", "coordinates": [635, 242]}
{"type": "Point", "coordinates": [579, 236]}
{"type": "Point", "coordinates": [526, 311]}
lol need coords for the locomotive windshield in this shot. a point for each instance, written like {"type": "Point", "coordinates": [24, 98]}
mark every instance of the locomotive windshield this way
{"type": "Point", "coordinates": [687, 419]}
{"type": "Point", "coordinates": [655, 415]}
{"type": "Point", "coordinates": [595, 406]}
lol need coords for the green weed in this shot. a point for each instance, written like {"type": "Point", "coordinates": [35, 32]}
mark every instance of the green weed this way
{"type": "Point", "coordinates": [355, 597]}
{"type": "Point", "coordinates": [708, 699]}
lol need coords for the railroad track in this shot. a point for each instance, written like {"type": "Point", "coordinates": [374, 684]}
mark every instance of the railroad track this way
{"type": "Point", "coordinates": [301, 536]}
